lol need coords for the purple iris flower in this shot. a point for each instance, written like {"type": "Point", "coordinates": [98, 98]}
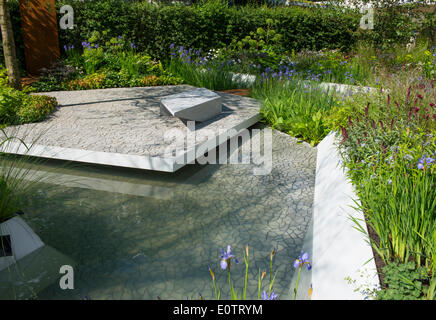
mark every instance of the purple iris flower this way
{"type": "Point", "coordinates": [302, 260]}
{"type": "Point", "coordinates": [172, 45]}
{"type": "Point", "coordinates": [272, 296]}
{"type": "Point", "coordinates": [226, 257]}
{"type": "Point", "coordinates": [422, 161]}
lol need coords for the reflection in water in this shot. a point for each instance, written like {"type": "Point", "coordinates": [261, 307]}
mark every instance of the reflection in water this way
{"type": "Point", "coordinates": [139, 234]}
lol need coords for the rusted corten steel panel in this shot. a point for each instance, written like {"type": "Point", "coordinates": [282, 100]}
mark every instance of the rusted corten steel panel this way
{"type": "Point", "coordinates": [40, 34]}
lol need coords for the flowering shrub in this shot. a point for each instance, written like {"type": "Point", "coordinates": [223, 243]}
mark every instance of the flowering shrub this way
{"type": "Point", "coordinates": [335, 66]}
{"type": "Point", "coordinates": [36, 108]}
{"type": "Point", "coordinates": [92, 81]}
{"type": "Point", "coordinates": [104, 63]}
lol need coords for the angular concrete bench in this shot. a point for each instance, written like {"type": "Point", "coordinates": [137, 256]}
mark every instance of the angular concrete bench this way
{"type": "Point", "coordinates": [198, 105]}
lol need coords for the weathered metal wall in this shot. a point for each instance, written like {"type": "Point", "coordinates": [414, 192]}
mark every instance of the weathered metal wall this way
{"type": "Point", "coordinates": [40, 34]}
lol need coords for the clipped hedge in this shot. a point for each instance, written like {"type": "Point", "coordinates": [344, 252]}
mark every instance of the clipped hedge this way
{"type": "Point", "coordinates": [214, 23]}
{"type": "Point", "coordinates": [205, 26]}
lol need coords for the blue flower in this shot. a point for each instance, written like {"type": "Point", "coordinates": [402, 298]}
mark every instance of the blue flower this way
{"type": "Point", "coordinates": [172, 45]}
{"type": "Point", "coordinates": [272, 296]}
{"type": "Point", "coordinates": [132, 45]}
{"type": "Point", "coordinates": [226, 257]}
{"type": "Point", "coordinates": [302, 260]}
{"type": "Point", "coordinates": [422, 161]}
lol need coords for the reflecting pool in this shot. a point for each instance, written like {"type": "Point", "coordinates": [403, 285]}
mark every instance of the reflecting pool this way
{"type": "Point", "coordinates": [142, 235]}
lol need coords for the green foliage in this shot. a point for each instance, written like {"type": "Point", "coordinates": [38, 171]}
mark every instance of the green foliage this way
{"type": "Point", "coordinates": [421, 56]}
{"type": "Point", "coordinates": [112, 79]}
{"type": "Point", "coordinates": [103, 62]}
{"type": "Point", "coordinates": [403, 281]}
{"type": "Point", "coordinates": [9, 200]}
{"type": "Point", "coordinates": [382, 147]}
{"type": "Point", "coordinates": [334, 66]}
{"type": "Point", "coordinates": [395, 22]}
{"type": "Point", "coordinates": [259, 49]}
{"type": "Point", "coordinates": [212, 24]}
{"type": "Point", "coordinates": [10, 102]}
{"type": "Point", "coordinates": [296, 108]}
{"type": "Point", "coordinates": [15, 173]}
{"type": "Point", "coordinates": [36, 108]}
{"type": "Point", "coordinates": [196, 70]}
{"type": "Point", "coordinates": [388, 145]}
{"type": "Point", "coordinates": [17, 107]}
{"type": "Point", "coordinates": [3, 77]}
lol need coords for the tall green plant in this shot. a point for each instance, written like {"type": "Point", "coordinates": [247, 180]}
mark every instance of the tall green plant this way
{"type": "Point", "coordinates": [298, 108]}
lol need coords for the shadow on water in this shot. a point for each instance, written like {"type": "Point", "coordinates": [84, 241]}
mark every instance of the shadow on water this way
{"type": "Point", "coordinates": [136, 234]}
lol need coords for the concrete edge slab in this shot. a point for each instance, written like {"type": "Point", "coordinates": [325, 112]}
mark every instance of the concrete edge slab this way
{"type": "Point", "coordinates": [89, 156]}
{"type": "Point", "coordinates": [87, 182]}
{"type": "Point", "coordinates": [117, 159]}
{"type": "Point", "coordinates": [338, 87]}
{"type": "Point", "coordinates": [343, 261]}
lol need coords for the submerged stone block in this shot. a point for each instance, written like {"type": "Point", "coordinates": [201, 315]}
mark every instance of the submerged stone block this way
{"type": "Point", "coordinates": [197, 105]}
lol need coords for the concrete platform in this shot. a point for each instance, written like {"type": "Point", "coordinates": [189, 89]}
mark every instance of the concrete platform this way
{"type": "Point", "coordinates": [123, 127]}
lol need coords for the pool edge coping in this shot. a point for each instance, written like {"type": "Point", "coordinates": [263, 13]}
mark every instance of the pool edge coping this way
{"type": "Point", "coordinates": [343, 261]}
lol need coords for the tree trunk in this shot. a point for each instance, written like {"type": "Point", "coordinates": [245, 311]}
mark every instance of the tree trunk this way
{"type": "Point", "coordinates": [11, 62]}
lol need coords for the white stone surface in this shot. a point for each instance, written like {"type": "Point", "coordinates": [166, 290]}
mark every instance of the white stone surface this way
{"type": "Point", "coordinates": [199, 104]}
{"type": "Point", "coordinates": [122, 127]}
{"type": "Point", "coordinates": [339, 250]}
{"type": "Point", "coordinates": [346, 88]}
{"type": "Point", "coordinates": [23, 240]}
